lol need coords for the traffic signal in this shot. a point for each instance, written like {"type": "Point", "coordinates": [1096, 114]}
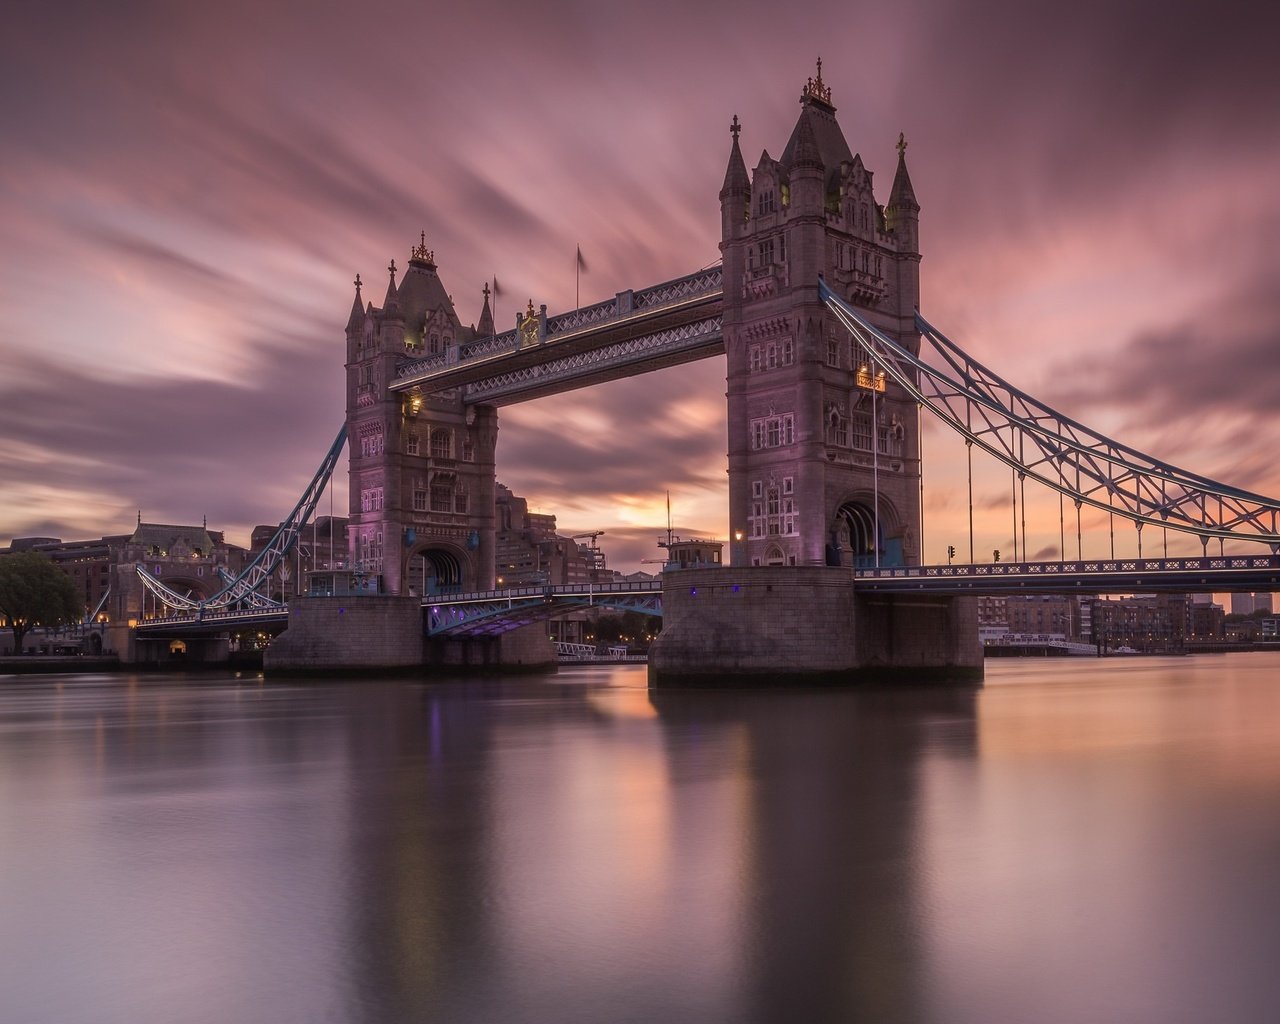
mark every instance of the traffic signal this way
{"type": "Point", "coordinates": [996, 555]}
{"type": "Point", "coordinates": [951, 553]}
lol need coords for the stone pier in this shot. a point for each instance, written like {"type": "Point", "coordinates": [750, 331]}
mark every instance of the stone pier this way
{"type": "Point", "coordinates": [806, 625]}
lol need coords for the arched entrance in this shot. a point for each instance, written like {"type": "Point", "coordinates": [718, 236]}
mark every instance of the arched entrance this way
{"type": "Point", "coordinates": [437, 570]}
{"type": "Point", "coordinates": [857, 536]}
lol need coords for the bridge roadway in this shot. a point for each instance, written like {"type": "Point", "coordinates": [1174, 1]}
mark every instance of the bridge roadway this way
{"type": "Point", "coordinates": [493, 612]}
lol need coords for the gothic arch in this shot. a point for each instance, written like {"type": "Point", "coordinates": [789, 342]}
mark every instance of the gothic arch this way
{"type": "Point", "coordinates": [438, 567]}
{"type": "Point", "coordinates": [858, 535]}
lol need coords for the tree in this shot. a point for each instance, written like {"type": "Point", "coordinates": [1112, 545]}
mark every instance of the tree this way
{"type": "Point", "coordinates": [35, 592]}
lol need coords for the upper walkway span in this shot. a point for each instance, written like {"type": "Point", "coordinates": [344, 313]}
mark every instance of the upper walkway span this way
{"type": "Point", "coordinates": [665, 325]}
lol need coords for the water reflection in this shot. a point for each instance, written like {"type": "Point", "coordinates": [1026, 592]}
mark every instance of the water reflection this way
{"type": "Point", "coordinates": [1089, 840]}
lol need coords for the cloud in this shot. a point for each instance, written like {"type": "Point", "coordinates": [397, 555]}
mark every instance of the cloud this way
{"type": "Point", "coordinates": [186, 193]}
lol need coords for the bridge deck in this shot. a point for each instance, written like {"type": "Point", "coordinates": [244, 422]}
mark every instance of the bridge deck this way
{"type": "Point", "coordinates": [496, 611]}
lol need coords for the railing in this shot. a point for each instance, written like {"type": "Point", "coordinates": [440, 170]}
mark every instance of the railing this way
{"type": "Point", "coordinates": [1077, 568]}
{"type": "Point", "coordinates": [552, 590]}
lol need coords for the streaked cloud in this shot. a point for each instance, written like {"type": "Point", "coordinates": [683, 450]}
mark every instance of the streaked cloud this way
{"type": "Point", "coordinates": [186, 194]}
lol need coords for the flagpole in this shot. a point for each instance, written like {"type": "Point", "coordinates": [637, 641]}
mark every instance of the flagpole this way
{"type": "Point", "coordinates": [577, 275]}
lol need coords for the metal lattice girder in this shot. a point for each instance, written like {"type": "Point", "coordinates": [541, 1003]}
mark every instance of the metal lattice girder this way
{"type": "Point", "coordinates": [242, 589]}
{"type": "Point", "coordinates": [494, 612]}
{"type": "Point", "coordinates": [608, 326]}
{"type": "Point", "coordinates": [1059, 452]}
{"type": "Point", "coordinates": [254, 600]}
{"type": "Point", "coordinates": [182, 602]}
{"type": "Point", "coordinates": [670, 347]}
{"type": "Point", "coordinates": [282, 542]}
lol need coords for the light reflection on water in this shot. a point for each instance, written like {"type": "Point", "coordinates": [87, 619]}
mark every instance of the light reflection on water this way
{"type": "Point", "coordinates": [1078, 841]}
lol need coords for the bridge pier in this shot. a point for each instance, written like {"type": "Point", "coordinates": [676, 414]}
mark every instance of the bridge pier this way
{"type": "Point", "coordinates": [340, 635]}
{"type": "Point", "coordinates": [806, 625]}
{"type": "Point", "coordinates": [527, 649]}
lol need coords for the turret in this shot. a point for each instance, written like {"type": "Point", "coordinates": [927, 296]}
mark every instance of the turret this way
{"type": "Point", "coordinates": [735, 194]}
{"type": "Point", "coordinates": [355, 322]}
{"type": "Point", "coordinates": [484, 327]}
{"type": "Point", "coordinates": [902, 213]}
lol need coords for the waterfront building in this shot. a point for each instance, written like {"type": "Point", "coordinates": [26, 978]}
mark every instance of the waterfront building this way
{"type": "Point", "coordinates": [1044, 614]}
{"type": "Point", "coordinates": [321, 546]}
{"type": "Point", "coordinates": [1207, 621]}
{"type": "Point", "coordinates": [1145, 623]}
{"type": "Point", "coordinates": [692, 552]}
{"type": "Point", "coordinates": [1247, 604]}
{"type": "Point", "coordinates": [187, 558]}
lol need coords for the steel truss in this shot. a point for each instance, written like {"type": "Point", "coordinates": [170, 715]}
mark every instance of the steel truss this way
{"type": "Point", "coordinates": [1057, 451]}
{"type": "Point", "coordinates": [701, 337]}
{"type": "Point", "coordinates": [502, 611]}
{"type": "Point", "coordinates": [242, 590]}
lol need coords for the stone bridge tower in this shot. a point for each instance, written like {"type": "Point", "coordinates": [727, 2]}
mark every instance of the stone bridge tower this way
{"type": "Point", "coordinates": [824, 455]}
{"type": "Point", "coordinates": [421, 467]}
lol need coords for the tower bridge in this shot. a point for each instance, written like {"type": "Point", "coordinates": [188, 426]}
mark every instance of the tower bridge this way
{"type": "Point", "coordinates": [814, 305]}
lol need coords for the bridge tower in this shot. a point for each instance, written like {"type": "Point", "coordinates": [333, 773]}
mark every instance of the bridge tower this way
{"type": "Point", "coordinates": [421, 466]}
{"type": "Point", "coordinates": [824, 455]}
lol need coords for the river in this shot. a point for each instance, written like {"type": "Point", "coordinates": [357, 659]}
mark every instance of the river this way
{"type": "Point", "coordinates": [1078, 841]}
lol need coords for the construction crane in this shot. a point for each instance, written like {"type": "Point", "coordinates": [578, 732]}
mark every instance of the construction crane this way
{"type": "Point", "coordinates": [597, 556]}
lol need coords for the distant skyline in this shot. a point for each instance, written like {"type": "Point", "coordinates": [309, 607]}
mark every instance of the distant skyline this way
{"type": "Point", "coordinates": [187, 193]}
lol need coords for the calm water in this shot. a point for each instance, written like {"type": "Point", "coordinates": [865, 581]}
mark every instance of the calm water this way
{"type": "Point", "coordinates": [1080, 841]}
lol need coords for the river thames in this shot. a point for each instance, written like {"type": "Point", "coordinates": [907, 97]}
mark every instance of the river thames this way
{"type": "Point", "coordinates": [1079, 840]}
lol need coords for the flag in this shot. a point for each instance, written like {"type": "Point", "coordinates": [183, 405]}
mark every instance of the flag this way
{"type": "Point", "coordinates": [496, 290]}
{"type": "Point", "coordinates": [582, 264]}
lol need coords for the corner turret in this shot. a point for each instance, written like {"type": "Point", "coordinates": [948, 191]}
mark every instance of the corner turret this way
{"type": "Point", "coordinates": [484, 328]}
{"type": "Point", "coordinates": [903, 212]}
{"type": "Point", "coordinates": [735, 194]}
{"type": "Point", "coordinates": [355, 322]}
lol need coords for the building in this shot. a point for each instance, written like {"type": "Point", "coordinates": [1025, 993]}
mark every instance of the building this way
{"type": "Point", "coordinates": [692, 553]}
{"type": "Point", "coordinates": [320, 546]}
{"type": "Point", "coordinates": [421, 466]}
{"type": "Point", "coordinates": [1207, 621]}
{"type": "Point", "coordinates": [1044, 614]}
{"type": "Point", "coordinates": [824, 453]}
{"type": "Point", "coordinates": [528, 550]}
{"type": "Point", "coordinates": [1247, 604]}
{"type": "Point", "coordinates": [189, 559]}
{"type": "Point", "coordinates": [1148, 624]}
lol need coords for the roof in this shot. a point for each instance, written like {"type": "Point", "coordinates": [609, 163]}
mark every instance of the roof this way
{"type": "Point", "coordinates": [832, 147]}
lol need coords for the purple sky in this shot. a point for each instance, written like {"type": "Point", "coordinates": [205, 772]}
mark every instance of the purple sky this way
{"type": "Point", "coordinates": [187, 192]}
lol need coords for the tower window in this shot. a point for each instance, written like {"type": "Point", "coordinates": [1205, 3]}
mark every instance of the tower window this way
{"type": "Point", "coordinates": [411, 443]}
{"type": "Point", "coordinates": [768, 202]}
{"type": "Point", "coordinates": [440, 444]}
{"type": "Point", "coordinates": [765, 251]}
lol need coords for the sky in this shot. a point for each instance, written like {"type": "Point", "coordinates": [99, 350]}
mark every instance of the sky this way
{"type": "Point", "coordinates": [188, 190]}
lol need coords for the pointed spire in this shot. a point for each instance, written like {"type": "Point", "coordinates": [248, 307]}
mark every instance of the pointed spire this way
{"type": "Point", "coordinates": [485, 327]}
{"type": "Point", "coordinates": [806, 153]}
{"type": "Point", "coordinates": [735, 175]}
{"type": "Point", "coordinates": [357, 308]}
{"type": "Point", "coordinates": [902, 196]}
{"type": "Point", "coordinates": [391, 302]}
